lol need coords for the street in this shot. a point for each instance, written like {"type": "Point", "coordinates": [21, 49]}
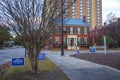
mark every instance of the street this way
{"type": "Point", "coordinates": [8, 54]}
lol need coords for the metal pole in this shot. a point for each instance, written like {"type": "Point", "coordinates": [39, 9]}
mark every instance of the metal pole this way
{"type": "Point", "coordinates": [105, 46]}
{"type": "Point", "coordinates": [62, 43]}
{"type": "Point", "coordinates": [105, 40]}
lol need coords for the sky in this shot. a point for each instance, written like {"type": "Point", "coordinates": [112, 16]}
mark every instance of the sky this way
{"type": "Point", "coordinates": [109, 6]}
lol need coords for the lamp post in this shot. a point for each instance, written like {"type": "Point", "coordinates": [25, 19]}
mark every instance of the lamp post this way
{"type": "Point", "coordinates": [62, 32]}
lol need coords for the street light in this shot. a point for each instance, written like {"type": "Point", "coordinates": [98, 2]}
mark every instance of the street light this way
{"type": "Point", "coordinates": [62, 43]}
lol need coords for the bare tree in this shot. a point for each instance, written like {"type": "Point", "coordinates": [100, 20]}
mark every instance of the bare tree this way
{"type": "Point", "coordinates": [111, 17]}
{"type": "Point", "coordinates": [32, 20]}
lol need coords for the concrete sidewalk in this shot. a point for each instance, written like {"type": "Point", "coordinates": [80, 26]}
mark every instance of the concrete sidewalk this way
{"type": "Point", "coordinates": [77, 69]}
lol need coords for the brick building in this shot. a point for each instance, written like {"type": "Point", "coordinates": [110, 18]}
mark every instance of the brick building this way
{"type": "Point", "coordinates": [75, 34]}
{"type": "Point", "coordinates": [111, 30]}
{"type": "Point", "coordinates": [80, 16]}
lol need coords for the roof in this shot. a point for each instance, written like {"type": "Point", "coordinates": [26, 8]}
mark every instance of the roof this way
{"type": "Point", "coordinates": [97, 28]}
{"type": "Point", "coordinates": [73, 22]}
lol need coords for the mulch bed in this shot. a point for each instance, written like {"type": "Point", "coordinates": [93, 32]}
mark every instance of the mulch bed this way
{"type": "Point", "coordinates": [110, 59]}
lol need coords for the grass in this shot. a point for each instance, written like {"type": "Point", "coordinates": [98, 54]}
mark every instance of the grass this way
{"type": "Point", "coordinates": [48, 71]}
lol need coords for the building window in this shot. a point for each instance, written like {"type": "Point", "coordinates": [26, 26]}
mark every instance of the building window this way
{"type": "Point", "coordinates": [88, 14]}
{"type": "Point", "coordinates": [88, 20]}
{"type": "Point", "coordinates": [65, 41]}
{"type": "Point", "coordinates": [64, 30]}
{"type": "Point", "coordinates": [71, 30]}
{"type": "Point", "coordinates": [56, 30]}
{"type": "Point", "coordinates": [79, 41]}
{"type": "Point", "coordinates": [81, 8]}
{"type": "Point", "coordinates": [82, 31]}
{"type": "Point", "coordinates": [57, 8]}
{"type": "Point", "coordinates": [78, 31]}
{"type": "Point", "coordinates": [85, 41]}
{"type": "Point", "coordinates": [81, 1]}
{"type": "Point", "coordinates": [56, 41]}
{"type": "Point", "coordinates": [85, 31]}
{"type": "Point", "coordinates": [73, 8]}
{"type": "Point", "coordinates": [66, 8]}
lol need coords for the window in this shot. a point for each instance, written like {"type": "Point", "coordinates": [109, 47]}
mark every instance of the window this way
{"type": "Point", "coordinates": [56, 40]}
{"type": "Point", "coordinates": [88, 12]}
{"type": "Point", "coordinates": [81, 1]}
{"type": "Point", "coordinates": [57, 8]}
{"type": "Point", "coordinates": [64, 30]}
{"type": "Point", "coordinates": [88, 17]}
{"type": "Point", "coordinates": [82, 31]}
{"type": "Point", "coordinates": [71, 30]}
{"type": "Point", "coordinates": [56, 30]}
{"type": "Point", "coordinates": [85, 31]}
{"type": "Point", "coordinates": [85, 41]}
{"type": "Point", "coordinates": [81, 8]}
{"type": "Point", "coordinates": [88, 8]}
{"type": "Point", "coordinates": [78, 31]}
{"type": "Point", "coordinates": [65, 41]}
{"type": "Point", "coordinates": [88, 20]}
{"type": "Point", "coordinates": [66, 8]}
{"type": "Point", "coordinates": [73, 8]}
{"type": "Point", "coordinates": [79, 41]}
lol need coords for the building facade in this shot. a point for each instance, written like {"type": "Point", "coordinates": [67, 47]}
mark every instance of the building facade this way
{"type": "Point", "coordinates": [75, 34]}
{"type": "Point", "coordinates": [80, 16]}
{"type": "Point", "coordinates": [111, 30]}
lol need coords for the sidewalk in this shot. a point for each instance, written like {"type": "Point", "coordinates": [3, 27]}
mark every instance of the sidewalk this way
{"type": "Point", "coordinates": [77, 69]}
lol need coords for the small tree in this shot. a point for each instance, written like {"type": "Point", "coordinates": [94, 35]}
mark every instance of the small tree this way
{"type": "Point", "coordinates": [4, 35]}
{"type": "Point", "coordinates": [110, 41]}
{"type": "Point", "coordinates": [32, 20]}
{"type": "Point", "coordinates": [17, 40]}
{"type": "Point", "coordinates": [111, 17]}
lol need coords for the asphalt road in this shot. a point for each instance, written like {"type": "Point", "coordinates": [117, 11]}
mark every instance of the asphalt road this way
{"type": "Point", "coordinates": [7, 54]}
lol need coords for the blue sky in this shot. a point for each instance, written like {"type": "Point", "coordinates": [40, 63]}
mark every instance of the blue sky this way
{"type": "Point", "coordinates": [109, 6]}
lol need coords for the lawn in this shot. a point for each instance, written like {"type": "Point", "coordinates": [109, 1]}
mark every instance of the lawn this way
{"type": "Point", "coordinates": [47, 71]}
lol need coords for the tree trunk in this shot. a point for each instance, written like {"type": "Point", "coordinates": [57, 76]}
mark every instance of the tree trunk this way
{"type": "Point", "coordinates": [34, 64]}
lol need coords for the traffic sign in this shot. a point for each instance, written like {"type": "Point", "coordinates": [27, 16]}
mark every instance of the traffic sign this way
{"type": "Point", "coordinates": [17, 61]}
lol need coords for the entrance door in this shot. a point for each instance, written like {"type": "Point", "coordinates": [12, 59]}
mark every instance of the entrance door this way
{"type": "Point", "coordinates": [72, 42]}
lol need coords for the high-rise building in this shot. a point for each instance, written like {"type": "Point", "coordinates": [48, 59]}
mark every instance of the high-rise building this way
{"type": "Point", "coordinates": [90, 9]}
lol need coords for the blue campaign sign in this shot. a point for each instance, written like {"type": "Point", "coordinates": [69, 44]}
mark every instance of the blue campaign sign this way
{"type": "Point", "coordinates": [92, 49]}
{"type": "Point", "coordinates": [17, 61]}
{"type": "Point", "coordinates": [78, 51]}
{"type": "Point", "coordinates": [41, 56]}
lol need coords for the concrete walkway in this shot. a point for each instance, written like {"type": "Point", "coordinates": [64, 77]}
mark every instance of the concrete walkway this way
{"type": "Point", "coordinates": [77, 69]}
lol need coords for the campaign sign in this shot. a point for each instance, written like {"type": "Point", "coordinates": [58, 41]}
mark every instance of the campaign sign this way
{"type": "Point", "coordinates": [17, 61]}
{"type": "Point", "coordinates": [41, 56]}
{"type": "Point", "coordinates": [78, 51]}
{"type": "Point", "coordinates": [92, 49]}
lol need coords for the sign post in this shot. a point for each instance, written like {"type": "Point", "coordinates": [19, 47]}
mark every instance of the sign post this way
{"type": "Point", "coordinates": [105, 45]}
{"type": "Point", "coordinates": [17, 61]}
